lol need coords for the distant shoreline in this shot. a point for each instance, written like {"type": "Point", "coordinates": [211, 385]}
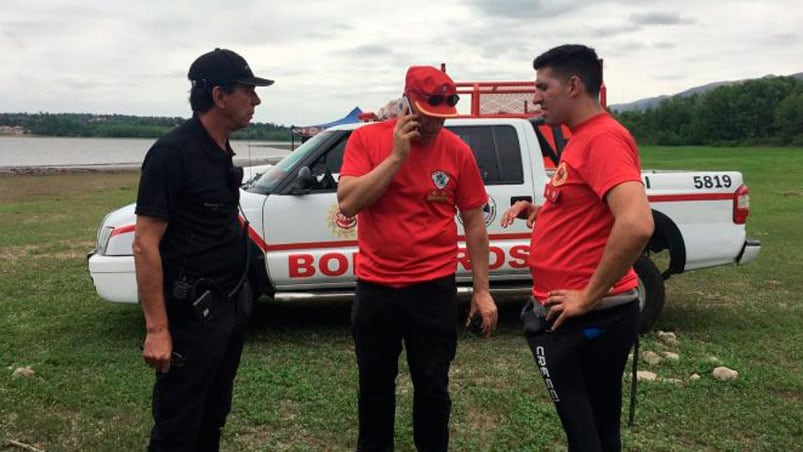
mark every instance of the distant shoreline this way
{"type": "Point", "coordinates": [6, 171]}
{"type": "Point", "coordinates": [259, 142]}
{"type": "Point", "coordinates": [10, 171]}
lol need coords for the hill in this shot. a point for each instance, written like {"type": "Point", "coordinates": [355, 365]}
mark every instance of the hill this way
{"type": "Point", "coordinates": [652, 102]}
{"type": "Point", "coordinates": [762, 111]}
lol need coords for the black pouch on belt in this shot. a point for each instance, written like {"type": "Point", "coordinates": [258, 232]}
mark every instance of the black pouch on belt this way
{"type": "Point", "coordinates": [533, 318]}
{"type": "Point", "coordinates": [205, 297]}
{"type": "Point", "coordinates": [202, 306]}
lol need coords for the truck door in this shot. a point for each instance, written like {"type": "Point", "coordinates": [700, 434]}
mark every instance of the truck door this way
{"type": "Point", "coordinates": [499, 151]}
{"type": "Point", "coordinates": [308, 241]}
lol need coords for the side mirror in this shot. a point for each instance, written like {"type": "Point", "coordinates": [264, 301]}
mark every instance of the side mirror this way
{"type": "Point", "coordinates": [304, 181]}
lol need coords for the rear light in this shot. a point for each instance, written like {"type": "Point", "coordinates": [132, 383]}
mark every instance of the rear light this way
{"type": "Point", "coordinates": [741, 205]}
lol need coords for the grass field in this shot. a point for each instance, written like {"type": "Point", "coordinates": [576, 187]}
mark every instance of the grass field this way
{"type": "Point", "coordinates": [296, 389]}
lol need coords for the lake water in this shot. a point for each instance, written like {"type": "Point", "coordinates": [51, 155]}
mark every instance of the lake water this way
{"type": "Point", "coordinates": [60, 152]}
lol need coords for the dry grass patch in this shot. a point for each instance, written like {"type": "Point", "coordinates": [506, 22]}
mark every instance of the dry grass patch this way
{"type": "Point", "coordinates": [30, 187]}
{"type": "Point", "coordinates": [61, 250]}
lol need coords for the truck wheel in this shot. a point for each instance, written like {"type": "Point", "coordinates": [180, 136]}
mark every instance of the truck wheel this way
{"type": "Point", "coordinates": [651, 292]}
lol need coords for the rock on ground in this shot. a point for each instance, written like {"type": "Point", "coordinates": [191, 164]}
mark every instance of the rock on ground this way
{"type": "Point", "coordinates": [670, 356]}
{"type": "Point", "coordinates": [668, 338]}
{"type": "Point", "coordinates": [651, 358]}
{"type": "Point", "coordinates": [24, 372]}
{"type": "Point", "coordinates": [646, 375]}
{"type": "Point", "coordinates": [723, 373]}
{"type": "Point", "coordinates": [666, 335]}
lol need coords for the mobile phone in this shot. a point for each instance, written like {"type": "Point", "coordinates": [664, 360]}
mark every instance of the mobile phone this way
{"type": "Point", "coordinates": [476, 326]}
{"type": "Point", "coordinates": [405, 104]}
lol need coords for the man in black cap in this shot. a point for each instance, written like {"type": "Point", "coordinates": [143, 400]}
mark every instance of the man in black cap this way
{"type": "Point", "coordinates": [190, 253]}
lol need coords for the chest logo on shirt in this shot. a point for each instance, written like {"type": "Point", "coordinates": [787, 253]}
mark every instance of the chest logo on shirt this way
{"type": "Point", "coordinates": [440, 179]}
{"type": "Point", "coordinates": [560, 176]}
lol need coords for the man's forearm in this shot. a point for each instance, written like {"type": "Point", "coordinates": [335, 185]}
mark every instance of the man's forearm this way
{"type": "Point", "coordinates": [151, 293]}
{"type": "Point", "coordinates": [477, 246]}
{"type": "Point", "coordinates": [357, 193]}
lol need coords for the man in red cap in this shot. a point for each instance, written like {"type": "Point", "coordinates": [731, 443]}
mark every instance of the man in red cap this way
{"type": "Point", "coordinates": [190, 254]}
{"type": "Point", "coordinates": [405, 179]}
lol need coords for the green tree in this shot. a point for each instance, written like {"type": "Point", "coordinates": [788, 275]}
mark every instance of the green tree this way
{"type": "Point", "coordinates": [789, 118]}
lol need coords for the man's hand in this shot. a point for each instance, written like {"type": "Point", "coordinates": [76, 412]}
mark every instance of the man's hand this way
{"type": "Point", "coordinates": [563, 304]}
{"type": "Point", "coordinates": [405, 131]}
{"type": "Point", "coordinates": [158, 350]}
{"type": "Point", "coordinates": [483, 303]}
{"type": "Point", "coordinates": [517, 209]}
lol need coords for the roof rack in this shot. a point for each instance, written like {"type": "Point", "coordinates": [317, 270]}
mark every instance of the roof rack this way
{"type": "Point", "coordinates": [499, 99]}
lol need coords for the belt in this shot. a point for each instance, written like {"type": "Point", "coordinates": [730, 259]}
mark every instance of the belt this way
{"type": "Point", "coordinates": [613, 300]}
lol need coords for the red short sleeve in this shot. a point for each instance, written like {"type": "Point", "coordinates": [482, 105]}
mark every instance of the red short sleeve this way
{"type": "Point", "coordinates": [471, 192]}
{"type": "Point", "coordinates": [356, 159]}
{"type": "Point", "coordinates": [609, 160]}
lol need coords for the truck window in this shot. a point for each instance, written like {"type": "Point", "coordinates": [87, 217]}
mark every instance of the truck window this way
{"type": "Point", "coordinates": [333, 159]}
{"type": "Point", "coordinates": [324, 151]}
{"type": "Point", "coordinates": [497, 151]}
{"type": "Point", "coordinates": [327, 167]}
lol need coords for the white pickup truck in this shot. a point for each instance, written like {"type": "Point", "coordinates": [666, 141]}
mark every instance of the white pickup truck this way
{"type": "Point", "coordinates": [304, 247]}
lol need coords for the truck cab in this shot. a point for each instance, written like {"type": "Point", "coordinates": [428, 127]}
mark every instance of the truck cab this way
{"type": "Point", "coordinates": [313, 245]}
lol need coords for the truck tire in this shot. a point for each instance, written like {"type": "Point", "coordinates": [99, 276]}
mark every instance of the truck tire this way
{"type": "Point", "coordinates": [651, 292]}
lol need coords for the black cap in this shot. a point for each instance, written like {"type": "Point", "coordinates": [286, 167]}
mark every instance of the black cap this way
{"type": "Point", "coordinates": [223, 67]}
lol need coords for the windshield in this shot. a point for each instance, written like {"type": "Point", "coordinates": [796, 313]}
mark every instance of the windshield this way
{"type": "Point", "coordinates": [268, 181]}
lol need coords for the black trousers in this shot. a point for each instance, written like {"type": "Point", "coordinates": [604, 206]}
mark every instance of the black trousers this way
{"type": "Point", "coordinates": [192, 400]}
{"type": "Point", "coordinates": [582, 365]}
{"type": "Point", "coordinates": [424, 316]}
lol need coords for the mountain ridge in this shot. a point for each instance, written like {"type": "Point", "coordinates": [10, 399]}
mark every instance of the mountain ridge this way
{"type": "Point", "coordinates": [651, 102]}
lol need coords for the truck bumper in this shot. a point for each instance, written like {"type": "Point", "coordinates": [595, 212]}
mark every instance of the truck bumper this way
{"type": "Point", "coordinates": [750, 251]}
{"type": "Point", "coordinates": [114, 277]}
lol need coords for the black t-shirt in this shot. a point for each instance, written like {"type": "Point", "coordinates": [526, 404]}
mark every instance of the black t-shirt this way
{"type": "Point", "coordinates": [188, 181]}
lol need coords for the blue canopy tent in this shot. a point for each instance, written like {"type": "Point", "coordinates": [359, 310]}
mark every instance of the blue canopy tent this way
{"type": "Point", "coordinates": [305, 132]}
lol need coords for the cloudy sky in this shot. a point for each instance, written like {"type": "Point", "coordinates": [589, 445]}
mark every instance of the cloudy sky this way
{"type": "Point", "coordinates": [131, 57]}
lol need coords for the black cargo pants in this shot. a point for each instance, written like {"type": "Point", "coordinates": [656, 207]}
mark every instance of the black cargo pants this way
{"type": "Point", "coordinates": [424, 316]}
{"type": "Point", "coordinates": [192, 400]}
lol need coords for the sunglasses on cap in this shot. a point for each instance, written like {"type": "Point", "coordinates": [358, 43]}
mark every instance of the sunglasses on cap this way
{"type": "Point", "coordinates": [437, 99]}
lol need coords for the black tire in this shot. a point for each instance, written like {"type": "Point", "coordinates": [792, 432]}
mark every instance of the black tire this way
{"type": "Point", "coordinates": [651, 292]}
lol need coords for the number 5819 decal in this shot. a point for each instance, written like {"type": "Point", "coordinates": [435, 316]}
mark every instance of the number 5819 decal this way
{"type": "Point", "coordinates": [716, 181]}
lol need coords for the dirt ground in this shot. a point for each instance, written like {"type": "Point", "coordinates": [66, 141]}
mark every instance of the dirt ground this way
{"type": "Point", "coordinates": [21, 187]}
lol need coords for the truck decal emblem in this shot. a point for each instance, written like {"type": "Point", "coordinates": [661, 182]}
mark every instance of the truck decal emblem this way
{"type": "Point", "coordinates": [489, 211]}
{"type": "Point", "coordinates": [440, 179]}
{"type": "Point", "coordinates": [340, 225]}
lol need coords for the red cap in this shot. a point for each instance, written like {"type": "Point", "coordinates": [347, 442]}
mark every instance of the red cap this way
{"type": "Point", "coordinates": [425, 81]}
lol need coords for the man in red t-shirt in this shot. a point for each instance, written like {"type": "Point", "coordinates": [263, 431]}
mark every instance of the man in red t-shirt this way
{"type": "Point", "coordinates": [595, 222]}
{"type": "Point", "coordinates": [405, 179]}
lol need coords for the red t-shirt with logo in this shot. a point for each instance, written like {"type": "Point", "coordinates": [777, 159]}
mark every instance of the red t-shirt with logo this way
{"type": "Point", "coordinates": [409, 234]}
{"type": "Point", "coordinates": [573, 225]}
